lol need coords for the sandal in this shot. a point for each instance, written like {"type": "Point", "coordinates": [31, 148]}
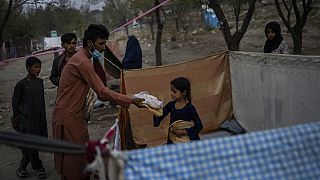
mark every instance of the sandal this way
{"type": "Point", "coordinates": [41, 174]}
{"type": "Point", "coordinates": [22, 173]}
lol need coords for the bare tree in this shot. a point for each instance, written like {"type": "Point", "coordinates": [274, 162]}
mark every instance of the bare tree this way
{"type": "Point", "coordinates": [143, 6]}
{"type": "Point", "coordinates": [301, 14]}
{"type": "Point", "coordinates": [122, 8]}
{"type": "Point", "coordinates": [64, 3]}
{"type": "Point", "coordinates": [8, 7]}
{"type": "Point", "coordinates": [233, 40]}
{"type": "Point", "coordinates": [159, 35]}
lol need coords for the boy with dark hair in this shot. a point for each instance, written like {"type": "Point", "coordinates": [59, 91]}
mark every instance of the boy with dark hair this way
{"type": "Point", "coordinates": [68, 42]}
{"type": "Point", "coordinates": [29, 115]}
{"type": "Point", "coordinates": [68, 118]}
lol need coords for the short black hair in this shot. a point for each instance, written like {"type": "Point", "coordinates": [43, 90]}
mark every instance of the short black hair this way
{"type": "Point", "coordinates": [94, 32]}
{"type": "Point", "coordinates": [183, 84]}
{"type": "Point", "coordinates": [31, 61]}
{"type": "Point", "coordinates": [67, 37]}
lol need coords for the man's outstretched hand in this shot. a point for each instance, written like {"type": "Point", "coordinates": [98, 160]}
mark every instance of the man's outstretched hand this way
{"type": "Point", "coordinates": [138, 102]}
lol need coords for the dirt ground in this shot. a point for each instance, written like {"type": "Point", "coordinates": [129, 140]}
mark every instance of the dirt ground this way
{"type": "Point", "coordinates": [198, 43]}
{"type": "Point", "coordinates": [102, 119]}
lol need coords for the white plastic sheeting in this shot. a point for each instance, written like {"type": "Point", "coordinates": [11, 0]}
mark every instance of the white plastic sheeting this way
{"type": "Point", "coordinates": [271, 91]}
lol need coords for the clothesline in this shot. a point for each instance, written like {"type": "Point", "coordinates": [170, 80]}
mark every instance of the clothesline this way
{"type": "Point", "coordinates": [140, 16]}
{"type": "Point", "coordinates": [40, 143]}
{"type": "Point", "coordinates": [52, 145]}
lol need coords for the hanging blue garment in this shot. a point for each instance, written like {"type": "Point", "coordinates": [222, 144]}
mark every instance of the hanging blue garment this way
{"type": "Point", "coordinates": [133, 55]}
{"type": "Point", "coordinates": [210, 19]}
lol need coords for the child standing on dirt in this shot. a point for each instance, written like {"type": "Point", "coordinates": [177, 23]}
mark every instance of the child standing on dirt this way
{"type": "Point", "coordinates": [29, 115]}
{"type": "Point", "coordinates": [185, 123]}
{"type": "Point", "coordinates": [275, 43]}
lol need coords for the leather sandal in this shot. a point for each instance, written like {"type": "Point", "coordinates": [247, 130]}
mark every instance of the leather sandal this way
{"type": "Point", "coordinates": [41, 173]}
{"type": "Point", "coordinates": [22, 173]}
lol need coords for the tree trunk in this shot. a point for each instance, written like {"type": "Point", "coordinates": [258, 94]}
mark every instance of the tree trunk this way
{"type": "Point", "coordinates": [150, 21]}
{"type": "Point", "coordinates": [127, 30]}
{"type": "Point", "coordinates": [1, 35]}
{"type": "Point", "coordinates": [158, 46]}
{"type": "Point", "coordinates": [125, 20]}
{"type": "Point", "coordinates": [152, 31]}
{"type": "Point", "coordinates": [175, 15]}
{"type": "Point", "coordinates": [224, 26]}
{"type": "Point", "coordinates": [5, 19]}
{"type": "Point", "coordinates": [177, 23]}
{"type": "Point", "coordinates": [233, 41]}
{"type": "Point", "coordinates": [296, 35]}
{"type": "Point", "coordinates": [159, 36]}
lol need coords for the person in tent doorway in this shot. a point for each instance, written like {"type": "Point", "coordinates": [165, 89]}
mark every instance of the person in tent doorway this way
{"type": "Point", "coordinates": [68, 118]}
{"type": "Point", "coordinates": [274, 43]}
{"type": "Point", "coordinates": [133, 55]}
{"type": "Point", "coordinates": [185, 123]}
{"type": "Point", "coordinates": [68, 42]}
{"type": "Point", "coordinates": [29, 115]}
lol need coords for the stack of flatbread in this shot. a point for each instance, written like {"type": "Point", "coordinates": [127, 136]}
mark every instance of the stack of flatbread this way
{"type": "Point", "coordinates": [179, 125]}
{"type": "Point", "coordinates": [153, 104]}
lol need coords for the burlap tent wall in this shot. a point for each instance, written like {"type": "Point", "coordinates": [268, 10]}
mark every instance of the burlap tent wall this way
{"type": "Point", "coordinates": [271, 91]}
{"type": "Point", "coordinates": [211, 95]}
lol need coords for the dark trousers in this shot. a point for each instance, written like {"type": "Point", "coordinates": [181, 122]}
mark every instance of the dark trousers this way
{"type": "Point", "coordinates": [30, 155]}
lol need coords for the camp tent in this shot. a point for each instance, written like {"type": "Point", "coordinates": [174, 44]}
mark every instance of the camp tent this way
{"type": "Point", "coordinates": [271, 91]}
{"type": "Point", "coordinates": [267, 91]}
{"type": "Point", "coordinates": [211, 93]}
{"type": "Point", "coordinates": [259, 82]}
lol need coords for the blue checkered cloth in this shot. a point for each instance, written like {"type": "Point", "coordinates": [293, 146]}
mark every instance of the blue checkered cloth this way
{"type": "Point", "coordinates": [286, 153]}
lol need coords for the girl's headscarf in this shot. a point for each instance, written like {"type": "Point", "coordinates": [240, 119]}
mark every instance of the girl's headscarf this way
{"type": "Point", "coordinates": [272, 45]}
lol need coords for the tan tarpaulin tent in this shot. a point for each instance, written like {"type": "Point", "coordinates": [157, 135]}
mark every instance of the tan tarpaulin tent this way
{"type": "Point", "coordinates": [210, 89]}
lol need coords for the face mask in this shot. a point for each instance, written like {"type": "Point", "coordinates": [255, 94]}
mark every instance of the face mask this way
{"type": "Point", "coordinates": [101, 59]}
{"type": "Point", "coordinates": [95, 54]}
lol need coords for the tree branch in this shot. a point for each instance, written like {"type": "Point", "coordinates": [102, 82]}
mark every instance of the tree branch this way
{"type": "Point", "coordinates": [236, 9]}
{"type": "Point", "coordinates": [285, 5]}
{"type": "Point", "coordinates": [116, 7]}
{"type": "Point", "coordinates": [246, 21]}
{"type": "Point", "coordinates": [164, 14]}
{"type": "Point", "coordinates": [19, 4]}
{"type": "Point", "coordinates": [7, 13]}
{"type": "Point", "coordinates": [221, 17]}
{"type": "Point", "coordinates": [284, 20]}
{"type": "Point", "coordinates": [2, 4]}
{"type": "Point", "coordinates": [288, 11]}
{"type": "Point", "coordinates": [297, 12]}
{"type": "Point", "coordinates": [306, 11]}
{"type": "Point", "coordinates": [309, 3]}
{"type": "Point", "coordinates": [5, 19]}
{"type": "Point", "coordinates": [304, 4]}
